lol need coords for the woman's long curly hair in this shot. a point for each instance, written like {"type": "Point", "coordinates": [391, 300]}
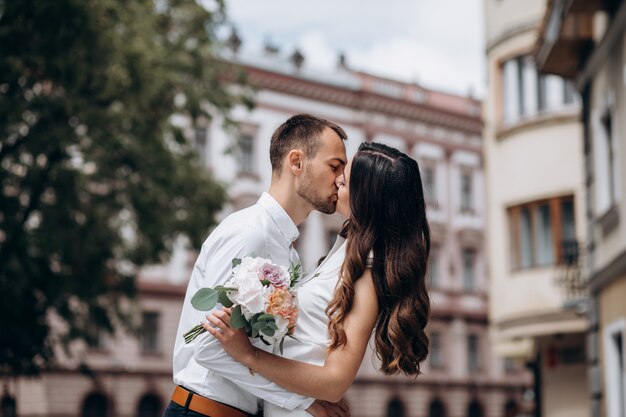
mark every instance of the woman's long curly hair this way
{"type": "Point", "coordinates": [387, 218]}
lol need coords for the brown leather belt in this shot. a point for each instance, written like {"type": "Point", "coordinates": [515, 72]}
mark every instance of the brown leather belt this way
{"type": "Point", "coordinates": [203, 405]}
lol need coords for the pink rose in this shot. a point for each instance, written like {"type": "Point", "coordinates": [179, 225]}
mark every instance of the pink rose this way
{"type": "Point", "coordinates": [277, 276]}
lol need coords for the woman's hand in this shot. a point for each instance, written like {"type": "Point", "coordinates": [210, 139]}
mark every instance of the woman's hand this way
{"type": "Point", "coordinates": [234, 341]}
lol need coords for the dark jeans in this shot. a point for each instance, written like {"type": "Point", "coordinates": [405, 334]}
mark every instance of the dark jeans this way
{"type": "Point", "coordinates": [175, 410]}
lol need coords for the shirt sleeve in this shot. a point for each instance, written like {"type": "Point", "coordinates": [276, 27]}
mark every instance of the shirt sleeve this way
{"type": "Point", "coordinates": [208, 352]}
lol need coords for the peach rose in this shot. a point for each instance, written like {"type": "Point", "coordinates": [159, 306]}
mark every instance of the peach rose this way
{"type": "Point", "coordinates": [282, 303]}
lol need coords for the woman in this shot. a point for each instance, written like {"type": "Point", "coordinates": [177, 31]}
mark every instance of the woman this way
{"type": "Point", "coordinates": [379, 287]}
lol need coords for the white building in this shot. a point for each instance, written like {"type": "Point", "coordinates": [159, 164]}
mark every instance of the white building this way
{"type": "Point", "coordinates": [443, 133]}
{"type": "Point", "coordinates": [585, 41]}
{"type": "Point", "coordinates": [535, 200]}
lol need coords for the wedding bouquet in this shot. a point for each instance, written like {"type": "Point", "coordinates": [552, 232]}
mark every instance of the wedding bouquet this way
{"type": "Point", "coordinates": [262, 297]}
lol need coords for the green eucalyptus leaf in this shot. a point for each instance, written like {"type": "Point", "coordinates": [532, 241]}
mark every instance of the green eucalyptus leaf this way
{"type": "Point", "coordinates": [268, 332]}
{"type": "Point", "coordinates": [224, 300]}
{"type": "Point", "coordinates": [261, 325]}
{"type": "Point", "coordinates": [237, 320]}
{"type": "Point", "coordinates": [205, 299]}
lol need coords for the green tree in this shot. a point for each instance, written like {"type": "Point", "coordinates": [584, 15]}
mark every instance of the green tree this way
{"type": "Point", "coordinates": [96, 179]}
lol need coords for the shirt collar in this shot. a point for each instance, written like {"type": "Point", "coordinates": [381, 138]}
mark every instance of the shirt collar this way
{"type": "Point", "coordinates": [285, 224]}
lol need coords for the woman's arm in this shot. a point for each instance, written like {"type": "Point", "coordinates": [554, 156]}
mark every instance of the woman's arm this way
{"type": "Point", "coordinates": [328, 382]}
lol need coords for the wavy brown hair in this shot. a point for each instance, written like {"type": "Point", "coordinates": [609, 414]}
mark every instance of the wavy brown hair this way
{"type": "Point", "coordinates": [387, 218]}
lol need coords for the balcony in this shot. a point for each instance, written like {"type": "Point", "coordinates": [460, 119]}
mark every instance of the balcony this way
{"type": "Point", "coordinates": [570, 272]}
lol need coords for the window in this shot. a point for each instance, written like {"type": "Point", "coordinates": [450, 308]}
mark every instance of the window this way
{"type": "Point", "coordinates": [8, 407]}
{"type": "Point", "coordinates": [474, 409]}
{"type": "Point", "coordinates": [527, 93]}
{"type": "Point", "coordinates": [510, 408]}
{"type": "Point", "coordinates": [95, 405]}
{"type": "Point", "coordinates": [200, 142]}
{"type": "Point", "coordinates": [96, 334]}
{"type": "Point", "coordinates": [434, 266]}
{"type": "Point", "coordinates": [604, 148]}
{"type": "Point", "coordinates": [569, 93]}
{"type": "Point", "coordinates": [149, 406]}
{"type": "Point", "coordinates": [473, 353]}
{"type": "Point", "coordinates": [510, 365]}
{"type": "Point", "coordinates": [436, 408]}
{"type": "Point", "coordinates": [246, 154]}
{"type": "Point", "coordinates": [466, 192]}
{"type": "Point", "coordinates": [430, 185]}
{"type": "Point", "coordinates": [395, 408]}
{"type": "Point", "coordinates": [570, 244]}
{"type": "Point", "coordinates": [615, 366]}
{"type": "Point", "coordinates": [543, 233]}
{"type": "Point", "coordinates": [436, 350]}
{"type": "Point", "coordinates": [469, 269]}
{"type": "Point", "coordinates": [150, 332]}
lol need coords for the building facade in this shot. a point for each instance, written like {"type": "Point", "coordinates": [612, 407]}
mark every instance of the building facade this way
{"type": "Point", "coordinates": [442, 132]}
{"type": "Point", "coordinates": [127, 376]}
{"type": "Point", "coordinates": [585, 41]}
{"type": "Point", "coordinates": [536, 205]}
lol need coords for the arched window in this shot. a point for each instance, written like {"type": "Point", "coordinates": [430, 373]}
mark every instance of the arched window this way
{"type": "Point", "coordinates": [436, 408]}
{"type": "Point", "coordinates": [395, 408]}
{"type": "Point", "coordinates": [475, 409]}
{"type": "Point", "coordinates": [510, 408]}
{"type": "Point", "coordinates": [95, 405]}
{"type": "Point", "coordinates": [8, 407]}
{"type": "Point", "coordinates": [149, 406]}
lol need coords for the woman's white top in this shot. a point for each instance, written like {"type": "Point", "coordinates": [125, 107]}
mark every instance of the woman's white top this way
{"type": "Point", "coordinates": [314, 295]}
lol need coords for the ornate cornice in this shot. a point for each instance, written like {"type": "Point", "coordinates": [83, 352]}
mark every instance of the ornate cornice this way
{"type": "Point", "coordinates": [363, 100]}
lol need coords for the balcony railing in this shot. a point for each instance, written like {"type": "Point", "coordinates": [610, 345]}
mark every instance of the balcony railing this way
{"type": "Point", "coordinates": [570, 275]}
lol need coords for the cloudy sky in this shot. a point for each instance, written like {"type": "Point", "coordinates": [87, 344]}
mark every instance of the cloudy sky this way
{"type": "Point", "coordinates": [437, 43]}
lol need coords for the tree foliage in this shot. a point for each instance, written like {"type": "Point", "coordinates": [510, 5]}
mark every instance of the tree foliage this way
{"type": "Point", "coordinates": [96, 179]}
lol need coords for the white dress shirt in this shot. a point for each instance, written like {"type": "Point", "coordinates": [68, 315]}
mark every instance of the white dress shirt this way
{"type": "Point", "coordinates": [265, 230]}
{"type": "Point", "coordinates": [314, 295]}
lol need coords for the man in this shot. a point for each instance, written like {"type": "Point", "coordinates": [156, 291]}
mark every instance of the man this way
{"type": "Point", "coordinates": [307, 154]}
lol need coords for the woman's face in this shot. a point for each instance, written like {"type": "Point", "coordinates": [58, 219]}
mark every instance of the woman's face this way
{"type": "Point", "coordinates": [343, 193]}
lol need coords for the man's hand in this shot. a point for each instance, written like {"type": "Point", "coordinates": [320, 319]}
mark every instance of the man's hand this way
{"type": "Point", "coordinates": [325, 409]}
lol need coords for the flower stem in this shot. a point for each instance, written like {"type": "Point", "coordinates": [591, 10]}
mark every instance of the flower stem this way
{"type": "Point", "coordinates": [193, 333]}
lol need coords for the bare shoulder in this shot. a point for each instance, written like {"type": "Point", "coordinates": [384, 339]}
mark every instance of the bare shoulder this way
{"type": "Point", "coordinates": [365, 281]}
{"type": "Point", "coordinates": [365, 291]}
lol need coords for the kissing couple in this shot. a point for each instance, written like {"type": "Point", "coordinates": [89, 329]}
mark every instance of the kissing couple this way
{"type": "Point", "coordinates": [371, 283]}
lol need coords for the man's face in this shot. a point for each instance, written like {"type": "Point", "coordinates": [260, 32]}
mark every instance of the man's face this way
{"type": "Point", "coordinates": [317, 185]}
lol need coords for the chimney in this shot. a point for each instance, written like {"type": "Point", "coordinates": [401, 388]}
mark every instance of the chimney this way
{"type": "Point", "coordinates": [342, 61]}
{"type": "Point", "coordinates": [234, 41]}
{"type": "Point", "coordinates": [297, 59]}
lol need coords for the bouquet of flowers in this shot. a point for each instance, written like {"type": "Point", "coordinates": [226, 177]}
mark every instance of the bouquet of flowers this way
{"type": "Point", "coordinates": [262, 297]}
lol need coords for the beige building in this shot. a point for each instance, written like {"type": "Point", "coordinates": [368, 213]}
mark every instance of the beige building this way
{"type": "Point", "coordinates": [462, 377]}
{"type": "Point", "coordinates": [536, 211]}
{"type": "Point", "coordinates": [585, 41]}
{"type": "Point", "coordinates": [127, 376]}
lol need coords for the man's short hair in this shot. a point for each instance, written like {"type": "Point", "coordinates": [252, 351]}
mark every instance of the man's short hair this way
{"type": "Point", "coordinates": [301, 131]}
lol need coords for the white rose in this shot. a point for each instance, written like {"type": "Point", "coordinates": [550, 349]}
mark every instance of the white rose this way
{"type": "Point", "coordinates": [249, 292]}
{"type": "Point", "coordinates": [253, 264]}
